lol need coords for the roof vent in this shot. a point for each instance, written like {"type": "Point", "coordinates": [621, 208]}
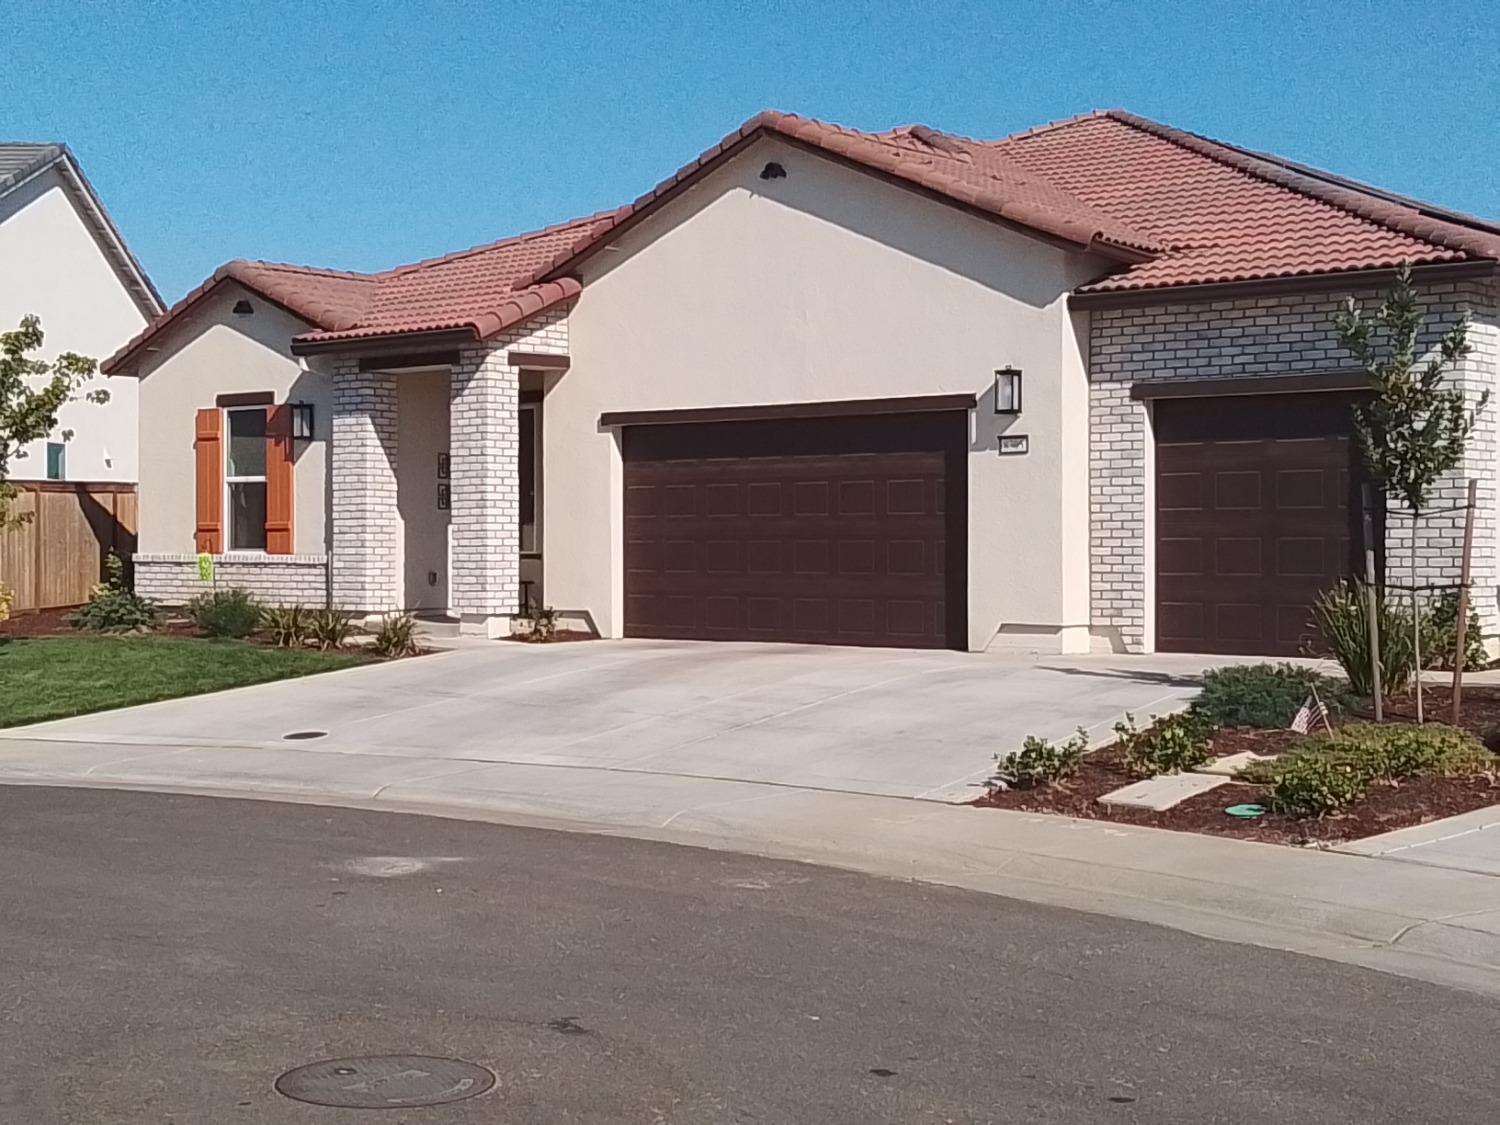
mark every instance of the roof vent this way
{"type": "Point", "coordinates": [773, 171]}
{"type": "Point", "coordinates": [243, 308]}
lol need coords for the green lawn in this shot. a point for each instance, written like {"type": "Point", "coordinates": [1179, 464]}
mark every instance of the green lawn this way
{"type": "Point", "coordinates": [53, 677]}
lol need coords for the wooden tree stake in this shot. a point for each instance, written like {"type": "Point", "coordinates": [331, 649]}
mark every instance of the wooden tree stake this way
{"type": "Point", "coordinates": [1460, 657]}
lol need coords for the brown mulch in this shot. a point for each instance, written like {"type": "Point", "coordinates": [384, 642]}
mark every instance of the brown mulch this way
{"type": "Point", "coordinates": [559, 637]}
{"type": "Point", "coordinates": [37, 623]}
{"type": "Point", "coordinates": [51, 623]}
{"type": "Point", "coordinates": [1383, 809]}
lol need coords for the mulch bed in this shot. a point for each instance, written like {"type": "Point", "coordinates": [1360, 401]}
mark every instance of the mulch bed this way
{"type": "Point", "coordinates": [559, 637]}
{"type": "Point", "coordinates": [51, 623]}
{"type": "Point", "coordinates": [1383, 809]}
{"type": "Point", "coordinates": [39, 623]}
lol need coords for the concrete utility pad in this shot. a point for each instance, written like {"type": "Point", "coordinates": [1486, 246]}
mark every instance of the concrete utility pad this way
{"type": "Point", "coordinates": [877, 721]}
{"type": "Point", "coordinates": [1231, 764]}
{"type": "Point", "coordinates": [1157, 794]}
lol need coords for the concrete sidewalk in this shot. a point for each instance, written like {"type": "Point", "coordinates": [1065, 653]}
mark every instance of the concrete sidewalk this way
{"type": "Point", "coordinates": [1415, 920]}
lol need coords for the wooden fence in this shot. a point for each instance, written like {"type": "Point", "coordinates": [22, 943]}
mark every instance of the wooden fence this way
{"type": "Point", "coordinates": [56, 558]}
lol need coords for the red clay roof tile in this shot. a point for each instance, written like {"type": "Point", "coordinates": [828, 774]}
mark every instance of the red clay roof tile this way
{"type": "Point", "coordinates": [1172, 208]}
{"type": "Point", "coordinates": [1225, 214]}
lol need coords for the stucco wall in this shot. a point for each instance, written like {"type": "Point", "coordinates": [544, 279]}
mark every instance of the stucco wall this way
{"type": "Point", "coordinates": [830, 284]}
{"type": "Point", "coordinates": [212, 351]}
{"type": "Point", "coordinates": [51, 265]}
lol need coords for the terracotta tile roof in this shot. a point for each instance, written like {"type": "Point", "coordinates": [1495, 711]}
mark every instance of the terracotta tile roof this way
{"type": "Point", "coordinates": [1225, 214]}
{"type": "Point", "coordinates": [1170, 207]}
{"type": "Point", "coordinates": [476, 289]}
{"type": "Point", "coordinates": [473, 289]}
{"type": "Point", "coordinates": [965, 172]}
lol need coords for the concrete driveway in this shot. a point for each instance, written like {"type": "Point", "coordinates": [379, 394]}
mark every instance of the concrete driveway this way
{"type": "Point", "coordinates": [874, 721]}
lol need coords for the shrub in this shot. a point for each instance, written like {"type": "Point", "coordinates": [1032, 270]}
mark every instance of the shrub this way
{"type": "Point", "coordinates": [7, 599]}
{"type": "Point", "coordinates": [114, 607]}
{"type": "Point", "coordinates": [1315, 784]}
{"type": "Point", "coordinates": [1392, 751]}
{"type": "Point", "coordinates": [1342, 618]}
{"type": "Point", "coordinates": [541, 622]}
{"type": "Point", "coordinates": [397, 636]}
{"type": "Point", "coordinates": [225, 613]}
{"type": "Point", "coordinates": [1171, 744]}
{"type": "Point", "coordinates": [1440, 634]}
{"type": "Point", "coordinates": [1038, 762]}
{"type": "Point", "coordinates": [1266, 696]}
{"type": "Point", "coordinates": [329, 628]}
{"type": "Point", "coordinates": [1328, 772]}
{"type": "Point", "coordinates": [288, 625]}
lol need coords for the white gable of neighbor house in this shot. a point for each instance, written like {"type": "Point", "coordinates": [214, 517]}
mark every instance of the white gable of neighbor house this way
{"type": "Point", "coordinates": [210, 351]}
{"type": "Point", "coordinates": [833, 284]}
{"type": "Point", "coordinates": [51, 264]}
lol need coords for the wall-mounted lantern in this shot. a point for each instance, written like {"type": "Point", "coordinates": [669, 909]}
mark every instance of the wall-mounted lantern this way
{"type": "Point", "coordinates": [1008, 390]}
{"type": "Point", "coordinates": [302, 421]}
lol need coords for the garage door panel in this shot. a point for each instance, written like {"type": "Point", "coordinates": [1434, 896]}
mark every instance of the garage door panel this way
{"type": "Point", "coordinates": [827, 530]}
{"type": "Point", "coordinates": [1274, 523]}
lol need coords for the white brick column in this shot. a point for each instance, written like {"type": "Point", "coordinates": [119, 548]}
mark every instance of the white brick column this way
{"type": "Point", "coordinates": [366, 557]}
{"type": "Point", "coordinates": [484, 436]}
{"type": "Point", "coordinates": [484, 580]}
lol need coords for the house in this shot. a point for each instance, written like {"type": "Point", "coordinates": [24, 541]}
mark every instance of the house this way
{"type": "Point", "coordinates": [62, 259]}
{"type": "Point", "coordinates": [1074, 388]}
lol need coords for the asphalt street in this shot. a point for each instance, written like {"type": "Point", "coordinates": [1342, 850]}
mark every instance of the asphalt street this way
{"type": "Point", "coordinates": [164, 959]}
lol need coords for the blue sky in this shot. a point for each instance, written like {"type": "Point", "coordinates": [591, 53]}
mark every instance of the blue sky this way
{"type": "Point", "coordinates": [363, 135]}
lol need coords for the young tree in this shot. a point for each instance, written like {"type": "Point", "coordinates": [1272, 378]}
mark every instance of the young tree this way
{"type": "Point", "coordinates": [31, 393]}
{"type": "Point", "coordinates": [1415, 428]}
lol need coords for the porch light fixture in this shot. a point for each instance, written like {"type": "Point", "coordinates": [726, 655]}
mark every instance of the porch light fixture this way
{"type": "Point", "coordinates": [1008, 390]}
{"type": "Point", "coordinates": [302, 421]}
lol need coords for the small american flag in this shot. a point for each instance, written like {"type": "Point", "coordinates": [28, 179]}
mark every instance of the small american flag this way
{"type": "Point", "coordinates": [1309, 713]}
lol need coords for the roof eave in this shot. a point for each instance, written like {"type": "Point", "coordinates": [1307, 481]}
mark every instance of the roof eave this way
{"type": "Point", "coordinates": [1259, 286]}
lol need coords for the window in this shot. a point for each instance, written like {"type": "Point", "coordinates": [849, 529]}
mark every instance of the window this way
{"type": "Point", "coordinates": [57, 461]}
{"type": "Point", "coordinates": [245, 479]}
{"type": "Point", "coordinates": [530, 472]}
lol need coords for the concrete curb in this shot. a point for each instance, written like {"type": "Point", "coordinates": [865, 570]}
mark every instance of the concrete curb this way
{"type": "Point", "coordinates": [1404, 918]}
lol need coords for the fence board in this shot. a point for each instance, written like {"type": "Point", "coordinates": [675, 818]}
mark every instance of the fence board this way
{"type": "Point", "coordinates": [56, 558]}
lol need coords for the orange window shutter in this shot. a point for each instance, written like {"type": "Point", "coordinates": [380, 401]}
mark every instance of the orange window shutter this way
{"type": "Point", "coordinates": [280, 494]}
{"type": "Point", "coordinates": [209, 453]}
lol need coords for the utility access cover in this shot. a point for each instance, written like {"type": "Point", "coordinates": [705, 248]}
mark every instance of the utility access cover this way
{"type": "Point", "coordinates": [385, 1082]}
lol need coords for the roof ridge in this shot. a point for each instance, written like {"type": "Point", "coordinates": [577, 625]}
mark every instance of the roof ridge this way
{"type": "Point", "coordinates": [1048, 126]}
{"type": "Point", "coordinates": [1351, 197]}
{"type": "Point", "coordinates": [292, 267]}
{"type": "Point", "coordinates": [508, 240]}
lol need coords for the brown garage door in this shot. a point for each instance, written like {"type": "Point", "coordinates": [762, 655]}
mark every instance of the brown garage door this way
{"type": "Point", "coordinates": [830, 530]}
{"type": "Point", "coordinates": [1257, 512]}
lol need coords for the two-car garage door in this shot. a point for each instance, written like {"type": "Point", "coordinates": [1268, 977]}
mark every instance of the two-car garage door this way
{"type": "Point", "coordinates": [833, 530]}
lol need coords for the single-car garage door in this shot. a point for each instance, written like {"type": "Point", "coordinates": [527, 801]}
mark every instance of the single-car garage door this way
{"type": "Point", "coordinates": [1257, 512]}
{"type": "Point", "coordinates": [833, 530]}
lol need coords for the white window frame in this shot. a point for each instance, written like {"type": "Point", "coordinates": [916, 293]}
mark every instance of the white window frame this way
{"type": "Point", "coordinates": [229, 547]}
{"type": "Point", "coordinates": [535, 410]}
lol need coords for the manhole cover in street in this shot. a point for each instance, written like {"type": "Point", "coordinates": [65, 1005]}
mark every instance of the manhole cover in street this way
{"type": "Point", "coordinates": [299, 735]}
{"type": "Point", "coordinates": [385, 1082]}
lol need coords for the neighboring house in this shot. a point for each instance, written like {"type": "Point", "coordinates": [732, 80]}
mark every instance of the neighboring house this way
{"type": "Point", "coordinates": [62, 259]}
{"type": "Point", "coordinates": [1074, 388]}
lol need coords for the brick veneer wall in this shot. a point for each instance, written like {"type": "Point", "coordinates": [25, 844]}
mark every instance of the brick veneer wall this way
{"type": "Point", "coordinates": [276, 579]}
{"type": "Point", "coordinates": [366, 557]}
{"type": "Point", "coordinates": [485, 443]}
{"type": "Point", "coordinates": [1271, 335]}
